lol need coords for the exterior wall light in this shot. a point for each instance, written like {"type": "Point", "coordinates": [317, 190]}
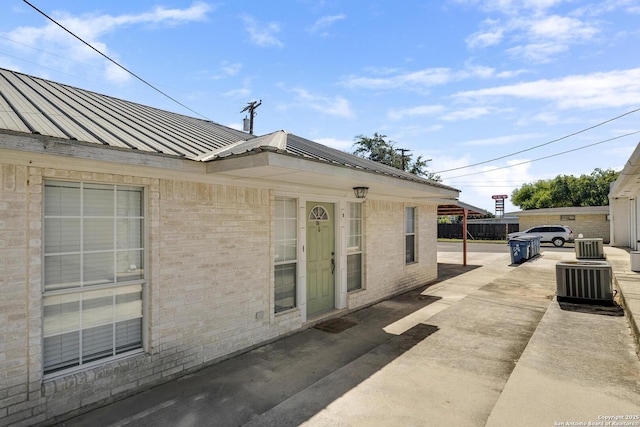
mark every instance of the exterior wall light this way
{"type": "Point", "coordinates": [360, 192]}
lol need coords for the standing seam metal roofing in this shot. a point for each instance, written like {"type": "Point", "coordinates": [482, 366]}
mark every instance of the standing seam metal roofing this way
{"type": "Point", "coordinates": [305, 147]}
{"type": "Point", "coordinates": [33, 105]}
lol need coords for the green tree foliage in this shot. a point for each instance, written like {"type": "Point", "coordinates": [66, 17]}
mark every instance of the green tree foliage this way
{"type": "Point", "coordinates": [382, 150]}
{"type": "Point", "coordinates": [566, 191]}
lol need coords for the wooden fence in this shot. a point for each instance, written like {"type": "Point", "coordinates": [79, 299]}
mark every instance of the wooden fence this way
{"type": "Point", "coordinates": [477, 231]}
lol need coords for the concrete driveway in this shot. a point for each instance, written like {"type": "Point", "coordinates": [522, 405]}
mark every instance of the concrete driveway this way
{"type": "Point", "coordinates": [487, 344]}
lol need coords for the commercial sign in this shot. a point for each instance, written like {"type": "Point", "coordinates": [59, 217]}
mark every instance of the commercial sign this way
{"type": "Point", "coordinates": [500, 196]}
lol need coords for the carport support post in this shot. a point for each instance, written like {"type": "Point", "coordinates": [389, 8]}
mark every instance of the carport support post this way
{"type": "Point", "coordinates": [464, 236]}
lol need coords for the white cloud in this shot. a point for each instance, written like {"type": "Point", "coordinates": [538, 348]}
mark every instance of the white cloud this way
{"type": "Point", "coordinates": [608, 6]}
{"type": "Point", "coordinates": [90, 28]}
{"type": "Point", "coordinates": [231, 69]}
{"type": "Point", "coordinates": [334, 106]}
{"type": "Point", "coordinates": [226, 69]}
{"type": "Point", "coordinates": [509, 74]}
{"type": "Point", "coordinates": [535, 34]}
{"type": "Point", "coordinates": [485, 39]}
{"type": "Point", "coordinates": [561, 28]}
{"type": "Point", "coordinates": [467, 113]}
{"type": "Point", "coordinates": [513, 7]}
{"type": "Point", "coordinates": [405, 80]}
{"type": "Point", "coordinates": [422, 110]}
{"type": "Point", "coordinates": [478, 71]}
{"type": "Point", "coordinates": [115, 74]}
{"type": "Point", "coordinates": [242, 92]}
{"type": "Point", "coordinates": [546, 117]}
{"type": "Point", "coordinates": [597, 90]}
{"type": "Point", "coordinates": [538, 52]}
{"type": "Point", "coordinates": [262, 34]}
{"type": "Point", "coordinates": [323, 23]}
{"type": "Point", "coordinates": [500, 140]}
{"type": "Point", "coordinates": [420, 80]}
{"type": "Point", "coordinates": [491, 36]}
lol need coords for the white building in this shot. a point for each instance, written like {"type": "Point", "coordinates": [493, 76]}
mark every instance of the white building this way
{"type": "Point", "coordinates": [138, 245]}
{"type": "Point", "coordinates": [624, 204]}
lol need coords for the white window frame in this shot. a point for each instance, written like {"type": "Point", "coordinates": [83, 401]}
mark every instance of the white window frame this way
{"type": "Point", "coordinates": [124, 286]}
{"type": "Point", "coordinates": [357, 249]}
{"type": "Point", "coordinates": [411, 232]}
{"type": "Point", "coordinates": [286, 260]}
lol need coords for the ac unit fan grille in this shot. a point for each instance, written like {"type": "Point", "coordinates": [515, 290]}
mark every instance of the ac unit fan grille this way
{"type": "Point", "coordinates": [582, 283]}
{"type": "Point", "coordinates": [584, 280]}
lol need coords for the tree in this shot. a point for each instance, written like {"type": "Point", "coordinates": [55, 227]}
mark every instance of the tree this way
{"type": "Point", "coordinates": [382, 150]}
{"type": "Point", "coordinates": [566, 191]}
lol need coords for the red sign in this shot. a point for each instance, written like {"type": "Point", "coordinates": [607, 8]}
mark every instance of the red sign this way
{"type": "Point", "coordinates": [500, 196]}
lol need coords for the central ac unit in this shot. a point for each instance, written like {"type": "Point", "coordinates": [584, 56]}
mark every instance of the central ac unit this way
{"type": "Point", "coordinates": [584, 281]}
{"type": "Point", "coordinates": [589, 249]}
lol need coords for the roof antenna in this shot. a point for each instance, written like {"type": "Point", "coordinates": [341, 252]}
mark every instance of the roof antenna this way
{"type": "Point", "coordinates": [248, 121]}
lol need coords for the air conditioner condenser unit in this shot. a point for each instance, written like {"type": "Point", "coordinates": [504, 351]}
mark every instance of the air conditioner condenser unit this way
{"type": "Point", "coordinates": [584, 281]}
{"type": "Point", "coordinates": [589, 249]}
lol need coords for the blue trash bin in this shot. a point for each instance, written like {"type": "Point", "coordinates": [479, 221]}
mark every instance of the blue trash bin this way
{"type": "Point", "coordinates": [520, 250]}
{"type": "Point", "coordinates": [534, 245]}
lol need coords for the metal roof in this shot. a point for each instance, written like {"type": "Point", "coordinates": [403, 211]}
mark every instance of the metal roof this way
{"type": "Point", "coordinates": [37, 106]}
{"type": "Point", "coordinates": [458, 207]}
{"type": "Point", "coordinates": [288, 143]}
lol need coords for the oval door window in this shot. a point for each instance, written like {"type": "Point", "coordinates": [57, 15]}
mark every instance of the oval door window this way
{"type": "Point", "coordinates": [318, 213]}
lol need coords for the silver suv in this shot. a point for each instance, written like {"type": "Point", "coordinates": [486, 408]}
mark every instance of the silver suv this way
{"type": "Point", "coordinates": [556, 234]}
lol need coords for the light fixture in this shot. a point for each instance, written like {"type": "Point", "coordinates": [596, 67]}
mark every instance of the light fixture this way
{"type": "Point", "coordinates": [360, 192]}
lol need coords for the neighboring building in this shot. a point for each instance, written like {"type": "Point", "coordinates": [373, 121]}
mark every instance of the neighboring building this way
{"type": "Point", "coordinates": [624, 201]}
{"type": "Point", "coordinates": [138, 245]}
{"type": "Point", "coordinates": [590, 221]}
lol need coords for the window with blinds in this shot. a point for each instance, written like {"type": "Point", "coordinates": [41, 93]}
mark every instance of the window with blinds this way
{"type": "Point", "coordinates": [286, 253]}
{"type": "Point", "coordinates": [93, 272]}
{"type": "Point", "coordinates": [354, 246]}
{"type": "Point", "coordinates": [410, 235]}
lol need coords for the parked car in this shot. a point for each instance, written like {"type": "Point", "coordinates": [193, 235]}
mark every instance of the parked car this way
{"type": "Point", "coordinates": [556, 234]}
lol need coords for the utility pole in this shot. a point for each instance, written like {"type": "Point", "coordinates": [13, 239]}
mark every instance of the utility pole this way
{"type": "Point", "coordinates": [403, 157]}
{"type": "Point", "coordinates": [251, 109]}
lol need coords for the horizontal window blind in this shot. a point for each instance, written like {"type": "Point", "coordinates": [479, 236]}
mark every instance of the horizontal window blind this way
{"type": "Point", "coordinates": [286, 253]}
{"type": "Point", "coordinates": [93, 272]}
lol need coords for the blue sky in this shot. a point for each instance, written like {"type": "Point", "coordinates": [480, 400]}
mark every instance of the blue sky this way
{"type": "Point", "coordinates": [460, 82]}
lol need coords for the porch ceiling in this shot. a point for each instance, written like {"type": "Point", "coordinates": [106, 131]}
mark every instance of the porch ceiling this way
{"type": "Point", "coordinates": [300, 174]}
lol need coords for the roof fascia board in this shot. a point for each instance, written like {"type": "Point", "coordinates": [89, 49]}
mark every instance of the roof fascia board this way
{"type": "Point", "coordinates": [45, 145]}
{"type": "Point", "coordinates": [294, 163]}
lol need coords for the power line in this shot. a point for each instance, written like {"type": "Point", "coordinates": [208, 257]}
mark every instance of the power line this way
{"type": "Point", "coordinates": [542, 145]}
{"type": "Point", "coordinates": [114, 62]}
{"type": "Point", "coordinates": [547, 157]}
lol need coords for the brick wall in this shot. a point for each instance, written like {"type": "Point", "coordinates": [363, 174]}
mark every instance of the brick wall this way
{"type": "Point", "coordinates": [593, 226]}
{"type": "Point", "coordinates": [19, 305]}
{"type": "Point", "coordinates": [385, 271]}
{"type": "Point", "coordinates": [209, 289]}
